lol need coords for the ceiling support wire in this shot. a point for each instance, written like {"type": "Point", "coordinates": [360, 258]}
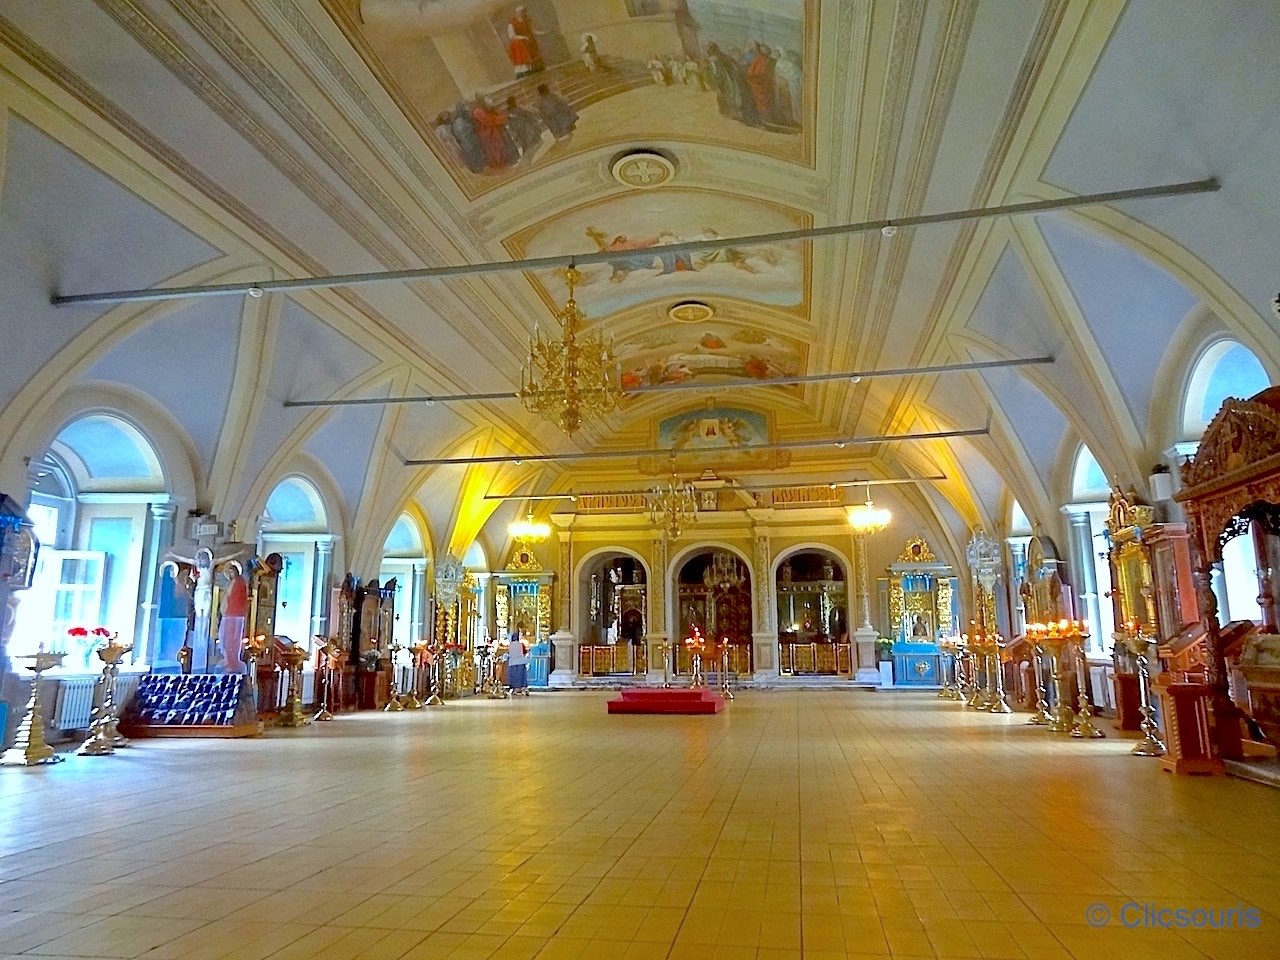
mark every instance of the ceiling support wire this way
{"type": "Point", "coordinates": [258, 288]}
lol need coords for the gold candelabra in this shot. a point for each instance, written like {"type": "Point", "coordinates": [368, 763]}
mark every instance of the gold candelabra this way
{"type": "Point", "coordinates": [436, 673]}
{"type": "Point", "coordinates": [725, 690]}
{"type": "Point", "coordinates": [1041, 717]}
{"type": "Point", "coordinates": [666, 663]}
{"type": "Point", "coordinates": [1139, 644]}
{"type": "Point", "coordinates": [695, 645]}
{"type": "Point", "coordinates": [393, 704]}
{"type": "Point", "coordinates": [953, 650]}
{"type": "Point", "coordinates": [673, 506]}
{"type": "Point", "coordinates": [29, 748]}
{"type": "Point", "coordinates": [989, 674]}
{"type": "Point", "coordinates": [331, 650]}
{"type": "Point", "coordinates": [411, 700]}
{"type": "Point", "coordinates": [291, 714]}
{"type": "Point", "coordinates": [103, 736]}
{"type": "Point", "coordinates": [574, 377]}
{"type": "Point", "coordinates": [1057, 639]}
{"type": "Point", "coordinates": [252, 650]}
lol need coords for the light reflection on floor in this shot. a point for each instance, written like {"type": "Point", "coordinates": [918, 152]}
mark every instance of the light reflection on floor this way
{"type": "Point", "coordinates": [810, 824]}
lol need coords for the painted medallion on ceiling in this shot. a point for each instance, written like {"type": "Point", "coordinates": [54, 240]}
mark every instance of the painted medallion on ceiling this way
{"type": "Point", "coordinates": [716, 436]}
{"type": "Point", "coordinates": [498, 87]}
{"type": "Point", "coordinates": [642, 226]}
{"type": "Point", "coordinates": [680, 352]}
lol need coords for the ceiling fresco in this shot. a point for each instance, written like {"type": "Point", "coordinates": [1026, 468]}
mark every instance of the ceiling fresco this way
{"type": "Point", "coordinates": [773, 274]}
{"type": "Point", "coordinates": [497, 88]}
{"type": "Point", "coordinates": [679, 352]}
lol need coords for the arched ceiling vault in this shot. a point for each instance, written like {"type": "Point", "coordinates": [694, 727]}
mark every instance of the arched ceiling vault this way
{"type": "Point", "coordinates": [288, 138]}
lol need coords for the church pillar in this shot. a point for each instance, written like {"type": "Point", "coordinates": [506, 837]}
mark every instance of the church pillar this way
{"type": "Point", "coordinates": [320, 588]}
{"type": "Point", "coordinates": [158, 538]}
{"type": "Point", "coordinates": [1083, 572]}
{"type": "Point", "coordinates": [864, 638]}
{"type": "Point", "coordinates": [564, 647]}
{"type": "Point", "coordinates": [764, 635]}
{"type": "Point", "coordinates": [417, 628]}
{"type": "Point", "coordinates": [658, 635]}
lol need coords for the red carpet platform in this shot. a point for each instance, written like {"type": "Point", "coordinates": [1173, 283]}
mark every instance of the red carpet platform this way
{"type": "Point", "coordinates": [669, 700]}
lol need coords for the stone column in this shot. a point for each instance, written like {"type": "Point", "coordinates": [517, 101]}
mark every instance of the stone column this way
{"type": "Point", "coordinates": [421, 588]}
{"type": "Point", "coordinates": [320, 585]}
{"type": "Point", "coordinates": [657, 598]}
{"type": "Point", "coordinates": [1083, 572]}
{"type": "Point", "coordinates": [564, 647]}
{"type": "Point", "coordinates": [159, 538]}
{"type": "Point", "coordinates": [764, 634]}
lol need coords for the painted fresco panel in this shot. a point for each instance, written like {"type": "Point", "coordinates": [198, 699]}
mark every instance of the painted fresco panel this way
{"type": "Point", "coordinates": [771, 274]}
{"type": "Point", "coordinates": [497, 87]}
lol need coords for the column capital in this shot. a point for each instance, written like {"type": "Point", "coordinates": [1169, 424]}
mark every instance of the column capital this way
{"type": "Point", "coordinates": [164, 510]}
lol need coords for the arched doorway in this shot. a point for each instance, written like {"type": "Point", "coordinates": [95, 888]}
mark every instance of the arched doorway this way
{"type": "Point", "coordinates": [612, 620]}
{"type": "Point", "coordinates": [713, 592]}
{"type": "Point", "coordinates": [813, 615]}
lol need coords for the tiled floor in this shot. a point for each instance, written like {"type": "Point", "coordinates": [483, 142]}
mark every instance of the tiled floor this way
{"type": "Point", "coordinates": [795, 824]}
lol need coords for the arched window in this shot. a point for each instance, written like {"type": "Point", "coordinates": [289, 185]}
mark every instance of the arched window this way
{"type": "Point", "coordinates": [296, 526]}
{"type": "Point", "coordinates": [404, 558]}
{"type": "Point", "coordinates": [1225, 369]}
{"type": "Point", "coordinates": [91, 500]}
{"type": "Point", "coordinates": [1019, 525]}
{"type": "Point", "coordinates": [1091, 574]}
{"type": "Point", "coordinates": [1088, 482]}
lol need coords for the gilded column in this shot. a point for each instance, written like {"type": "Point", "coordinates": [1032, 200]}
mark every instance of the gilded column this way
{"type": "Point", "coordinates": [658, 637]}
{"type": "Point", "coordinates": [764, 634]}
{"type": "Point", "coordinates": [561, 587]}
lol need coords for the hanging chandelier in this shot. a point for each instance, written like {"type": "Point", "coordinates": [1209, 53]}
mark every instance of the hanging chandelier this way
{"type": "Point", "coordinates": [529, 531]}
{"type": "Point", "coordinates": [673, 506]}
{"type": "Point", "coordinates": [866, 518]}
{"type": "Point", "coordinates": [574, 377]}
{"type": "Point", "coordinates": [724, 572]}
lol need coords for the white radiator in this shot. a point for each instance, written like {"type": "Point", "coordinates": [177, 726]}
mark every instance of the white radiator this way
{"type": "Point", "coordinates": [74, 705]}
{"type": "Point", "coordinates": [73, 708]}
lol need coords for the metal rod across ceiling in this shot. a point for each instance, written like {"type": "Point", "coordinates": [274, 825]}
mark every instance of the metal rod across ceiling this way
{"type": "Point", "coordinates": [730, 485]}
{"type": "Point", "coordinates": [257, 288]}
{"type": "Point", "coordinates": [517, 458]}
{"type": "Point", "coordinates": [719, 385]}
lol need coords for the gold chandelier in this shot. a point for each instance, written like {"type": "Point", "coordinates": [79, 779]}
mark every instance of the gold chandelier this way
{"type": "Point", "coordinates": [673, 506]}
{"type": "Point", "coordinates": [574, 377]}
{"type": "Point", "coordinates": [866, 518]}
{"type": "Point", "coordinates": [529, 531]}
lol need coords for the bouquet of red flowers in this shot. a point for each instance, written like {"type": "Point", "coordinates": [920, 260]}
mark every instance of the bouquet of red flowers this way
{"type": "Point", "coordinates": [101, 633]}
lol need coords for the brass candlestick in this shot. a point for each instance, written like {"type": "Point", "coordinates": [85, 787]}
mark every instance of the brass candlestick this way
{"type": "Point", "coordinates": [393, 705]}
{"type": "Point", "coordinates": [1084, 728]}
{"type": "Point", "coordinates": [331, 651]}
{"type": "Point", "coordinates": [252, 650]}
{"type": "Point", "coordinates": [1140, 645]}
{"type": "Point", "coordinates": [949, 677]}
{"type": "Point", "coordinates": [30, 748]}
{"type": "Point", "coordinates": [1041, 717]}
{"type": "Point", "coordinates": [436, 673]}
{"type": "Point", "coordinates": [666, 663]}
{"type": "Point", "coordinates": [291, 714]}
{"type": "Point", "coordinates": [103, 736]}
{"type": "Point", "coordinates": [1056, 638]}
{"type": "Point", "coordinates": [410, 700]}
{"type": "Point", "coordinates": [973, 666]}
{"type": "Point", "coordinates": [725, 690]}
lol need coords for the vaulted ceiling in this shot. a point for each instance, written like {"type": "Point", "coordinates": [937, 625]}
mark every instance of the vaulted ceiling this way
{"type": "Point", "coordinates": [190, 142]}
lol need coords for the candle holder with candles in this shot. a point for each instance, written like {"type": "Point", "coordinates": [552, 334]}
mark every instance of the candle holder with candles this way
{"type": "Point", "coordinates": [1056, 639]}
{"type": "Point", "coordinates": [103, 735]}
{"type": "Point", "coordinates": [1139, 644]}
{"type": "Point", "coordinates": [29, 748]}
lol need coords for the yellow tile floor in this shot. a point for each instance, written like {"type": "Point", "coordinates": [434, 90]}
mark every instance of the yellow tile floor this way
{"type": "Point", "coordinates": [797, 824]}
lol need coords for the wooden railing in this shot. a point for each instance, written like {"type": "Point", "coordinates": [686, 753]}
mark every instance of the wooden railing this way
{"type": "Point", "coordinates": [613, 659]}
